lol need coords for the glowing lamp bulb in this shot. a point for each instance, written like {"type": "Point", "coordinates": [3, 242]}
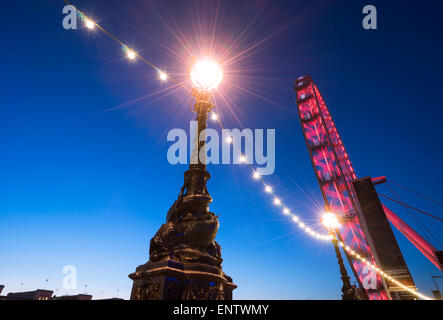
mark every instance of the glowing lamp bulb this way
{"type": "Point", "coordinates": [89, 24]}
{"type": "Point", "coordinates": [214, 116]}
{"type": "Point", "coordinates": [206, 75]}
{"type": "Point", "coordinates": [286, 211]}
{"type": "Point", "coordinates": [229, 139]}
{"type": "Point", "coordinates": [242, 159]}
{"type": "Point", "coordinates": [330, 221]}
{"type": "Point", "coordinates": [268, 189]}
{"type": "Point", "coordinates": [277, 201]}
{"type": "Point", "coordinates": [256, 175]}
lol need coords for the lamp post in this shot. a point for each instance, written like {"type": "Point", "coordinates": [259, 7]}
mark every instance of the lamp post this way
{"type": "Point", "coordinates": [330, 221]}
{"type": "Point", "coordinates": [184, 258]}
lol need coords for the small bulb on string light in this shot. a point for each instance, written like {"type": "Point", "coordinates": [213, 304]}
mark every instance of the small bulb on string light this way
{"type": "Point", "coordinates": [229, 139]}
{"type": "Point", "coordinates": [163, 76]}
{"type": "Point", "coordinates": [295, 218]}
{"type": "Point", "coordinates": [286, 211]}
{"type": "Point", "coordinates": [130, 54]}
{"type": "Point", "coordinates": [214, 116]}
{"type": "Point", "coordinates": [89, 24]}
{"type": "Point", "coordinates": [256, 175]}
{"type": "Point", "coordinates": [242, 159]}
{"type": "Point", "coordinates": [268, 189]}
{"type": "Point", "coordinates": [277, 201]}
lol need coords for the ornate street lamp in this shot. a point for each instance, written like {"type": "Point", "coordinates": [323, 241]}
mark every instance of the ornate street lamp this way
{"type": "Point", "coordinates": [184, 258]}
{"type": "Point", "coordinates": [206, 75]}
{"type": "Point", "coordinates": [330, 221]}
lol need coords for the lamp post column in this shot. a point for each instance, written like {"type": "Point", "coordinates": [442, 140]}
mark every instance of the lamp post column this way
{"type": "Point", "coordinates": [202, 107]}
{"type": "Point", "coordinates": [348, 291]}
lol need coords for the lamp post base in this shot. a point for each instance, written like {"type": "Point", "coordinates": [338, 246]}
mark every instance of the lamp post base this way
{"type": "Point", "coordinates": [349, 291]}
{"type": "Point", "coordinates": [174, 280]}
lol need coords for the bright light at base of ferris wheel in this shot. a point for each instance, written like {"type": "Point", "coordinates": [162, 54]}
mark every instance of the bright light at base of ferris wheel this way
{"type": "Point", "coordinates": [206, 74]}
{"type": "Point", "coordinates": [330, 221]}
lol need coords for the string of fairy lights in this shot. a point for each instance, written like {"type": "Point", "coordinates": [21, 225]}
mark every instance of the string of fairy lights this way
{"type": "Point", "coordinates": [131, 54]}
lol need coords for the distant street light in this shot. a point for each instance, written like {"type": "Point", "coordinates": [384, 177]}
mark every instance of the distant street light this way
{"type": "Point", "coordinates": [330, 221]}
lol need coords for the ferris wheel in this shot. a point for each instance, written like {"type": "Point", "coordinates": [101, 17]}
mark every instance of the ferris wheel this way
{"type": "Point", "coordinates": [364, 225]}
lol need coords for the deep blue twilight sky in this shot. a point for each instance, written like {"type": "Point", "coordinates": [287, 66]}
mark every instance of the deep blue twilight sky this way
{"type": "Point", "coordinates": [86, 184]}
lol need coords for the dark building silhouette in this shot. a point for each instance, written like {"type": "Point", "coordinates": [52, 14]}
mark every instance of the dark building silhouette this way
{"type": "Point", "coordinates": [38, 294]}
{"type": "Point", "coordinates": [41, 294]}
{"type": "Point", "coordinates": [74, 297]}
